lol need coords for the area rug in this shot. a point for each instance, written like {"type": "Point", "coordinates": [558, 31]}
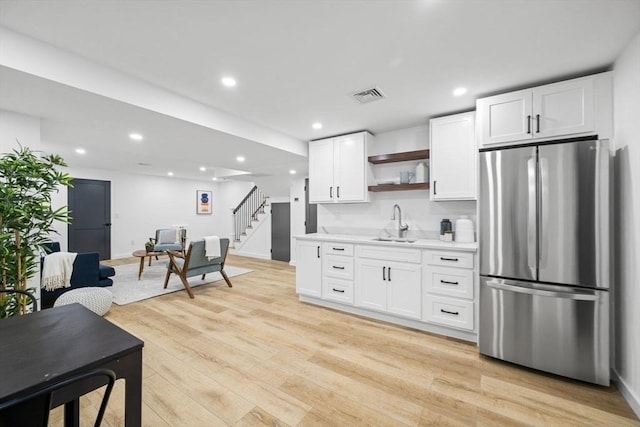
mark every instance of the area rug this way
{"type": "Point", "coordinates": [127, 288]}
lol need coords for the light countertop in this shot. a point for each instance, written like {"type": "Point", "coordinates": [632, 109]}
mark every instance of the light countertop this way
{"type": "Point", "coordinates": [372, 240]}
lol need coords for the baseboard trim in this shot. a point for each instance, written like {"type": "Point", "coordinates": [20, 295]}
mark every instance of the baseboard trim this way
{"type": "Point", "coordinates": [389, 318]}
{"type": "Point", "coordinates": [250, 254]}
{"type": "Point", "coordinates": [627, 393]}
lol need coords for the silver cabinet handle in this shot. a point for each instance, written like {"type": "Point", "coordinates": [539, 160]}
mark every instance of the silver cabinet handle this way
{"type": "Point", "coordinates": [543, 212]}
{"type": "Point", "coordinates": [532, 217]}
{"type": "Point", "coordinates": [542, 292]}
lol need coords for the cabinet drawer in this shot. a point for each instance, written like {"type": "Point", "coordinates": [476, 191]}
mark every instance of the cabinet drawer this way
{"type": "Point", "coordinates": [448, 312]}
{"type": "Point", "coordinates": [388, 253]}
{"type": "Point", "coordinates": [454, 282]}
{"type": "Point", "coordinates": [448, 259]}
{"type": "Point", "coordinates": [340, 267]}
{"type": "Point", "coordinates": [338, 248]}
{"type": "Point", "coordinates": [338, 290]}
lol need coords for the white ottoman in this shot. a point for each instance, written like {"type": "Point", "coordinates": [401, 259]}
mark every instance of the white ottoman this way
{"type": "Point", "coordinates": [97, 300]}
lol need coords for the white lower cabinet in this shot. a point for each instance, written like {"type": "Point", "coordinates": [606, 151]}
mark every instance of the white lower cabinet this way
{"type": "Point", "coordinates": [449, 312]}
{"type": "Point", "coordinates": [340, 267]}
{"type": "Point", "coordinates": [429, 289]}
{"type": "Point", "coordinates": [449, 289]}
{"type": "Point", "coordinates": [309, 268]}
{"type": "Point", "coordinates": [387, 286]}
{"type": "Point", "coordinates": [338, 290]}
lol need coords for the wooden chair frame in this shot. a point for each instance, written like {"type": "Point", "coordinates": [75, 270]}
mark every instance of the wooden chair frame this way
{"type": "Point", "coordinates": [181, 272]}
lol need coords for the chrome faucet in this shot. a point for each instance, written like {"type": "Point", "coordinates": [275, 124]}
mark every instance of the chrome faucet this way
{"type": "Point", "coordinates": [402, 229]}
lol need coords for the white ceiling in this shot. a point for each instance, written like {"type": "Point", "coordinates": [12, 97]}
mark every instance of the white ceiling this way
{"type": "Point", "coordinates": [296, 62]}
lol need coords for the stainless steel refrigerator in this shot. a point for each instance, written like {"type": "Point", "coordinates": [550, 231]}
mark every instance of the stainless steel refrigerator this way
{"type": "Point", "coordinates": [544, 257]}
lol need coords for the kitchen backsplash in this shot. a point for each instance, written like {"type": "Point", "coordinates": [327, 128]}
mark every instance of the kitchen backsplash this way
{"type": "Point", "coordinates": [422, 215]}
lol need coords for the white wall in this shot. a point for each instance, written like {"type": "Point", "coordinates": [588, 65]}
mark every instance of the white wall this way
{"type": "Point", "coordinates": [627, 219]}
{"type": "Point", "coordinates": [140, 204]}
{"type": "Point", "coordinates": [422, 215]}
{"type": "Point", "coordinates": [24, 129]}
{"type": "Point", "coordinates": [18, 127]}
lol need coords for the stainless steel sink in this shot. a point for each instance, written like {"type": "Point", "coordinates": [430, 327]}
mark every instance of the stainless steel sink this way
{"type": "Point", "coordinates": [391, 239]}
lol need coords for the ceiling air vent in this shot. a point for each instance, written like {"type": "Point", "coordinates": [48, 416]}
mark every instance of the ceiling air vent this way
{"type": "Point", "coordinates": [368, 95]}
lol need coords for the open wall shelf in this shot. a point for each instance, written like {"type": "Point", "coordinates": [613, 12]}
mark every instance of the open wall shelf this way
{"type": "Point", "coordinates": [399, 187]}
{"type": "Point", "coordinates": [399, 157]}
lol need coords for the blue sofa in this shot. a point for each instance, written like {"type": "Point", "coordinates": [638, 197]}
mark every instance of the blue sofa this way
{"type": "Point", "coordinates": [87, 272]}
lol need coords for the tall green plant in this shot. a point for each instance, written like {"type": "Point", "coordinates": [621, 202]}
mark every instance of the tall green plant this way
{"type": "Point", "coordinates": [27, 182]}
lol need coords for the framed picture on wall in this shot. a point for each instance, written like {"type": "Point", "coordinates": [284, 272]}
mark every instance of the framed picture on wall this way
{"type": "Point", "coordinates": [204, 200]}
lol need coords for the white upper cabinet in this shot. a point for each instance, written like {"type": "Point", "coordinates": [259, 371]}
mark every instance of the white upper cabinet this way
{"type": "Point", "coordinates": [563, 108]}
{"type": "Point", "coordinates": [506, 117]}
{"type": "Point", "coordinates": [453, 156]}
{"type": "Point", "coordinates": [571, 108]}
{"type": "Point", "coordinates": [338, 169]}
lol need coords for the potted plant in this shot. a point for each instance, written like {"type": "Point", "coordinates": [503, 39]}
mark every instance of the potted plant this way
{"type": "Point", "coordinates": [148, 246]}
{"type": "Point", "coordinates": [27, 182]}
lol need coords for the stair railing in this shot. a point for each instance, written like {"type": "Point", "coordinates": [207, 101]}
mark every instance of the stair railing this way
{"type": "Point", "coordinates": [247, 211]}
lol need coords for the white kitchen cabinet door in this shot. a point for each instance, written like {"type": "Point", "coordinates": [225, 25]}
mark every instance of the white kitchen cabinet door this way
{"type": "Point", "coordinates": [321, 171]}
{"type": "Point", "coordinates": [563, 108]}
{"type": "Point", "coordinates": [576, 107]}
{"type": "Point", "coordinates": [349, 168]}
{"type": "Point", "coordinates": [308, 268]}
{"type": "Point", "coordinates": [453, 155]}
{"type": "Point", "coordinates": [392, 287]}
{"type": "Point", "coordinates": [338, 169]}
{"type": "Point", "coordinates": [371, 284]}
{"type": "Point", "coordinates": [506, 117]}
{"type": "Point", "coordinates": [404, 289]}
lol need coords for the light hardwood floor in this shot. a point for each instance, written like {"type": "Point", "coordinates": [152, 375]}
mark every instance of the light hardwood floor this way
{"type": "Point", "coordinates": [254, 355]}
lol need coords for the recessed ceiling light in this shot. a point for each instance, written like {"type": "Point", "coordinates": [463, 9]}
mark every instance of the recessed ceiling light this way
{"type": "Point", "coordinates": [202, 169]}
{"type": "Point", "coordinates": [292, 172]}
{"type": "Point", "coordinates": [459, 91]}
{"type": "Point", "coordinates": [214, 178]}
{"type": "Point", "coordinates": [229, 81]}
{"type": "Point", "coordinates": [170, 173]}
{"type": "Point", "coordinates": [240, 159]}
{"type": "Point", "coordinates": [81, 151]}
{"type": "Point", "coordinates": [317, 125]}
{"type": "Point", "coordinates": [136, 136]}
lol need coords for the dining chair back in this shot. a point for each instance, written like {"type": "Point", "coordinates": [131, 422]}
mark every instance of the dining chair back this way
{"type": "Point", "coordinates": [33, 410]}
{"type": "Point", "coordinates": [10, 305]}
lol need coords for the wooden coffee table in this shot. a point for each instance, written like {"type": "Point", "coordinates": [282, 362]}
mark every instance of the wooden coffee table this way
{"type": "Point", "coordinates": [142, 254]}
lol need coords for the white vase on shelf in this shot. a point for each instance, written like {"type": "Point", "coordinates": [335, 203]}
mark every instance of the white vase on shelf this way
{"type": "Point", "coordinates": [421, 172]}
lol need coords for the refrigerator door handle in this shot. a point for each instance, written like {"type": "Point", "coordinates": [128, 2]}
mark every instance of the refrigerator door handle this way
{"type": "Point", "coordinates": [541, 292]}
{"type": "Point", "coordinates": [544, 211]}
{"type": "Point", "coordinates": [532, 252]}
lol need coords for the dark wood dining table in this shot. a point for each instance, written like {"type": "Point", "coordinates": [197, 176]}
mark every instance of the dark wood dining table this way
{"type": "Point", "coordinates": [49, 346]}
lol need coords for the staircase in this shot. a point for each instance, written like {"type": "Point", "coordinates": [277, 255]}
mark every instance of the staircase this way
{"type": "Point", "coordinates": [248, 216]}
